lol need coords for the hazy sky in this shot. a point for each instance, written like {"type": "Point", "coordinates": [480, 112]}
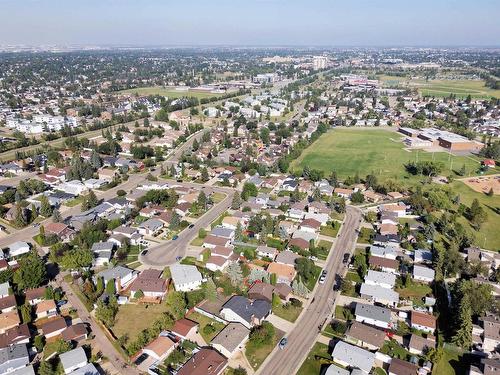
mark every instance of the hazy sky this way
{"type": "Point", "coordinates": [250, 22]}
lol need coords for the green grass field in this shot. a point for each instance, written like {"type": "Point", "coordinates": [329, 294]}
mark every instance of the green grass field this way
{"type": "Point", "coordinates": [460, 87]}
{"type": "Point", "coordinates": [168, 92]}
{"type": "Point", "coordinates": [488, 236]}
{"type": "Point", "coordinates": [317, 358]}
{"type": "Point", "coordinates": [353, 150]}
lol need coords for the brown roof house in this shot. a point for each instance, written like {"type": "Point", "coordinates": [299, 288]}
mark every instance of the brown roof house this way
{"type": "Point", "coordinates": [54, 327]}
{"type": "Point", "coordinates": [152, 285]}
{"type": "Point", "coordinates": [76, 332]}
{"type": "Point", "coordinates": [46, 309]}
{"type": "Point", "coordinates": [184, 328]}
{"type": "Point", "coordinates": [365, 336]}
{"type": "Point", "coordinates": [204, 362]}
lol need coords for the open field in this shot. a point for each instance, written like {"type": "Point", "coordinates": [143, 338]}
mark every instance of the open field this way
{"type": "Point", "coordinates": [488, 236]}
{"type": "Point", "coordinates": [169, 92]}
{"type": "Point", "coordinates": [353, 150]}
{"type": "Point", "coordinates": [460, 88]}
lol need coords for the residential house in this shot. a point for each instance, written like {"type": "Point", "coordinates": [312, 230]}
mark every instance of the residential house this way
{"type": "Point", "coordinates": [353, 356]}
{"type": "Point", "coordinates": [217, 263]}
{"type": "Point", "coordinates": [419, 345]}
{"type": "Point", "coordinates": [424, 274]}
{"type": "Point", "coordinates": [212, 241]}
{"type": "Point", "coordinates": [73, 187]}
{"type": "Point", "coordinates": [8, 304]}
{"type": "Point", "coordinates": [103, 252]}
{"type": "Point", "coordinates": [379, 294]}
{"type": "Point", "coordinates": [184, 329]}
{"type": "Point", "coordinates": [287, 257]}
{"type": "Point", "coordinates": [382, 279]}
{"type": "Point", "coordinates": [53, 327]}
{"type": "Point", "coordinates": [73, 360]}
{"type": "Point", "coordinates": [151, 283]}
{"type": "Point", "coordinates": [388, 252]}
{"type": "Point", "coordinates": [35, 296]}
{"type": "Point", "coordinates": [151, 227]}
{"type": "Point", "coordinates": [285, 273]}
{"type": "Point", "coordinates": [384, 264]}
{"type": "Point", "coordinates": [310, 225]}
{"type": "Point", "coordinates": [423, 322]}
{"type": "Point", "coordinates": [245, 311]}
{"type": "Point", "coordinates": [15, 335]}
{"type": "Point", "coordinates": [336, 370]}
{"type": "Point", "coordinates": [185, 277]}
{"type": "Point", "coordinates": [13, 358]}
{"type": "Point", "coordinates": [373, 315]}
{"type": "Point", "coordinates": [75, 333]}
{"type": "Point", "coordinates": [365, 336]}
{"type": "Point", "coordinates": [9, 320]}
{"type": "Point", "coordinates": [120, 275]}
{"type": "Point", "coordinates": [266, 251]}
{"type": "Point", "coordinates": [160, 348]}
{"type": "Point", "coordinates": [204, 362]}
{"type": "Point", "coordinates": [5, 289]}
{"type": "Point", "coordinates": [400, 367]}
{"type": "Point", "coordinates": [491, 333]}
{"type": "Point", "coordinates": [422, 256]}
{"type": "Point", "coordinates": [60, 230]}
{"type": "Point", "coordinates": [46, 309]}
{"type": "Point", "coordinates": [18, 248]}
{"type": "Point", "coordinates": [231, 339]}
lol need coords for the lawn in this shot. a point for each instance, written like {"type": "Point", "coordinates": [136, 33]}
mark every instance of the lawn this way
{"type": "Point", "coordinates": [132, 319]}
{"type": "Point", "coordinates": [331, 229]}
{"type": "Point", "coordinates": [352, 150]}
{"type": "Point", "coordinates": [197, 241]}
{"type": "Point", "coordinates": [205, 321]}
{"type": "Point", "coordinates": [288, 312]}
{"type": "Point", "coordinates": [343, 313]}
{"type": "Point", "coordinates": [488, 236]}
{"type": "Point", "coordinates": [415, 291]}
{"type": "Point", "coordinates": [393, 348]}
{"type": "Point", "coordinates": [365, 235]}
{"type": "Point", "coordinates": [169, 92]}
{"type": "Point", "coordinates": [353, 276]}
{"type": "Point", "coordinates": [74, 202]}
{"type": "Point", "coordinates": [460, 87]}
{"type": "Point", "coordinates": [257, 355]}
{"type": "Point", "coordinates": [451, 363]}
{"type": "Point", "coordinates": [318, 356]}
{"type": "Point", "coordinates": [218, 197]}
{"type": "Point", "coordinates": [312, 281]}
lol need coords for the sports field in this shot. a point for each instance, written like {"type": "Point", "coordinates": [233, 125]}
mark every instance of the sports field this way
{"type": "Point", "coordinates": [361, 150]}
{"type": "Point", "coordinates": [169, 92]}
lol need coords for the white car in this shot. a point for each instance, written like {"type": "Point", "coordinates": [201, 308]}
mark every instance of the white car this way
{"type": "Point", "coordinates": [322, 278]}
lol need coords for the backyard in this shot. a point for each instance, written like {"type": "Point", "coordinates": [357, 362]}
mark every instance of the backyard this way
{"type": "Point", "coordinates": [207, 333]}
{"type": "Point", "coordinates": [256, 354]}
{"type": "Point", "coordinates": [132, 319]}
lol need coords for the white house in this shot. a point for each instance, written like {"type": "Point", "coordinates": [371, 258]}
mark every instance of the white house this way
{"type": "Point", "coordinates": [353, 356]}
{"type": "Point", "coordinates": [185, 277]}
{"type": "Point", "coordinates": [19, 248]}
{"type": "Point", "coordinates": [266, 251]}
{"type": "Point", "coordinates": [373, 315]}
{"type": "Point", "coordinates": [74, 187]}
{"type": "Point", "coordinates": [73, 360]}
{"type": "Point", "coordinates": [383, 279]}
{"type": "Point", "coordinates": [424, 274]}
{"type": "Point", "coordinates": [378, 294]}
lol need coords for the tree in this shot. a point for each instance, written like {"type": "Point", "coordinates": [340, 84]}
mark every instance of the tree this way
{"type": "Point", "coordinates": [239, 371]}
{"type": "Point", "coordinates": [31, 272]}
{"type": "Point", "coordinates": [45, 367]}
{"type": "Point", "coordinates": [262, 334]}
{"type": "Point", "coordinates": [202, 200]}
{"type": "Point", "coordinates": [476, 214]}
{"type": "Point", "coordinates": [106, 312]}
{"type": "Point", "coordinates": [249, 190]}
{"type": "Point", "coordinates": [273, 279]}
{"type": "Point", "coordinates": [204, 174]}
{"type": "Point", "coordinates": [39, 343]}
{"type": "Point", "coordinates": [177, 304]}
{"type": "Point", "coordinates": [236, 202]}
{"type": "Point", "coordinates": [235, 273]}
{"type": "Point", "coordinates": [210, 290]}
{"type": "Point", "coordinates": [175, 221]}
{"type": "Point", "coordinates": [26, 313]}
{"type": "Point", "coordinates": [95, 160]}
{"type": "Point", "coordinates": [357, 197]}
{"type": "Point", "coordinates": [20, 219]}
{"type": "Point", "coordinates": [111, 287]}
{"type": "Point", "coordinates": [56, 216]}
{"type": "Point", "coordinates": [99, 289]}
{"type": "Point", "coordinates": [90, 201]}
{"type": "Point", "coordinates": [299, 289]}
{"type": "Point", "coordinates": [463, 335]}
{"type": "Point", "coordinates": [45, 207]}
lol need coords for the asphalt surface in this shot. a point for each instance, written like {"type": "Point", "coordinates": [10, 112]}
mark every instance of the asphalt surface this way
{"type": "Point", "coordinates": [303, 336]}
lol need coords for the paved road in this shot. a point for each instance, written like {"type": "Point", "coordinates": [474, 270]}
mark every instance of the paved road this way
{"type": "Point", "coordinates": [166, 254]}
{"type": "Point", "coordinates": [101, 339]}
{"type": "Point", "coordinates": [303, 336]}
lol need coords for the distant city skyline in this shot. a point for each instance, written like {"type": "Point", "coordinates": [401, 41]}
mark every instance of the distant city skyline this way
{"type": "Point", "coordinates": [250, 23]}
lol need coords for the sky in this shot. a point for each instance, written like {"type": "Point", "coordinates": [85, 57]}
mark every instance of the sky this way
{"type": "Point", "coordinates": [251, 22]}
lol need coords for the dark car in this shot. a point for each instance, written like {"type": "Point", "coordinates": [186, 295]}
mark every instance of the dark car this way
{"type": "Point", "coordinates": [191, 226]}
{"type": "Point", "coordinates": [178, 258]}
{"type": "Point", "coordinates": [346, 258]}
{"type": "Point", "coordinates": [141, 359]}
{"type": "Point", "coordinates": [144, 252]}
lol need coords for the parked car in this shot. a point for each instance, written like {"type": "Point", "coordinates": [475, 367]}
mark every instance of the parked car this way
{"type": "Point", "coordinates": [178, 258]}
{"type": "Point", "coordinates": [191, 226]}
{"type": "Point", "coordinates": [322, 277]}
{"type": "Point", "coordinates": [346, 258]}
{"type": "Point", "coordinates": [144, 252]}
{"type": "Point", "coordinates": [175, 237]}
{"type": "Point", "coordinates": [283, 343]}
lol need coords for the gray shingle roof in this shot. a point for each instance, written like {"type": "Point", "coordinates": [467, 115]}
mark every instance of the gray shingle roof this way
{"type": "Point", "coordinates": [247, 309]}
{"type": "Point", "coordinates": [73, 357]}
{"type": "Point", "coordinates": [373, 312]}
